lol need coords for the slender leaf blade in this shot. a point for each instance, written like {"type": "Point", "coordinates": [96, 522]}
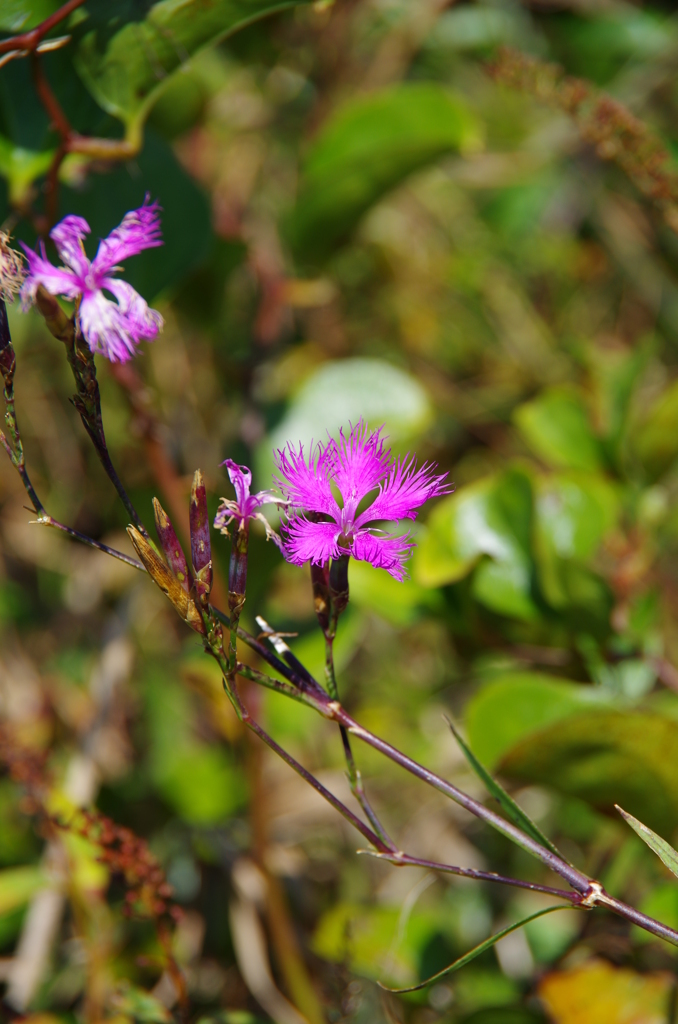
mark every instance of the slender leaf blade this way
{"type": "Point", "coordinates": [667, 855]}
{"type": "Point", "coordinates": [477, 950]}
{"type": "Point", "coordinates": [506, 802]}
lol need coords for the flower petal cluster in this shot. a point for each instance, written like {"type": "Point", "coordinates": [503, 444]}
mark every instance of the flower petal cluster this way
{"type": "Point", "coordinates": [113, 328]}
{"type": "Point", "coordinates": [356, 465]}
{"type": "Point", "coordinates": [246, 506]}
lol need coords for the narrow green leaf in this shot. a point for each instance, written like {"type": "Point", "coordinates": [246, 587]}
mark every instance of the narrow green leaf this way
{"type": "Point", "coordinates": [477, 950]}
{"type": "Point", "coordinates": [664, 850]}
{"type": "Point", "coordinates": [508, 804]}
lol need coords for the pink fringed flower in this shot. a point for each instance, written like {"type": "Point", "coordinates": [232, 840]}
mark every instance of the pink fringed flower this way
{"type": "Point", "coordinates": [112, 328]}
{"type": "Point", "coordinates": [356, 465]}
{"type": "Point", "coordinates": [246, 506]}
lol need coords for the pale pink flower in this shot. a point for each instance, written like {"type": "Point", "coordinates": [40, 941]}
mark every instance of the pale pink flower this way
{"type": "Point", "coordinates": [246, 506]}
{"type": "Point", "coordinates": [356, 465]}
{"type": "Point", "coordinates": [112, 328]}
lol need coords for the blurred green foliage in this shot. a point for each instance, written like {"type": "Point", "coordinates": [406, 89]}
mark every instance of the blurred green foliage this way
{"type": "Point", "coordinates": [358, 221]}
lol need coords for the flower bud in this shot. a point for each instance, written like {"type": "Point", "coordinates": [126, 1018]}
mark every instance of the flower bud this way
{"type": "Point", "coordinates": [170, 545]}
{"type": "Point", "coordinates": [163, 577]}
{"type": "Point", "coordinates": [201, 553]}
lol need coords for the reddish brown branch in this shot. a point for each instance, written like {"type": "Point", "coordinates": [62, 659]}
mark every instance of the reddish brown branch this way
{"type": "Point", "coordinates": [30, 41]}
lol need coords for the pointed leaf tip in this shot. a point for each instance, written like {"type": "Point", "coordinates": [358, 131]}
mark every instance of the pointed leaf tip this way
{"type": "Point", "coordinates": [170, 545]}
{"type": "Point", "coordinates": [667, 855]}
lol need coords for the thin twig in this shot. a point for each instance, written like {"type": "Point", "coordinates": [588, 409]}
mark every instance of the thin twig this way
{"type": "Point", "coordinates": [31, 40]}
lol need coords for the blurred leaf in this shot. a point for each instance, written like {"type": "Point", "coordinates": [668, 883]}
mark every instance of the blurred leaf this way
{"type": "Point", "coordinates": [139, 1005]}
{"type": "Point", "coordinates": [605, 757]}
{"type": "Point", "coordinates": [399, 603]}
{"type": "Point", "coordinates": [370, 145]}
{"type": "Point", "coordinates": [472, 954]}
{"type": "Point", "coordinates": [597, 991]}
{"type": "Point", "coordinates": [574, 511]}
{"type": "Point", "coordinates": [556, 427]}
{"type": "Point", "coordinates": [667, 855]}
{"type": "Point", "coordinates": [662, 904]}
{"type": "Point", "coordinates": [126, 60]}
{"type": "Point", "coordinates": [519, 704]}
{"type": "Point", "coordinates": [20, 167]}
{"type": "Point", "coordinates": [656, 441]}
{"type": "Point", "coordinates": [491, 517]}
{"type": "Point", "coordinates": [19, 885]}
{"type": "Point", "coordinates": [198, 780]}
{"type": "Point", "coordinates": [513, 811]}
{"type": "Point", "coordinates": [368, 937]}
{"type": "Point", "coordinates": [21, 15]}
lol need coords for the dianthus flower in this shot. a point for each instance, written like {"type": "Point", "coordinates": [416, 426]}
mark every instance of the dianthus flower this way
{"type": "Point", "coordinates": [246, 506]}
{"type": "Point", "coordinates": [112, 328]}
{"type": "Point", "coordinates": [356, 465]}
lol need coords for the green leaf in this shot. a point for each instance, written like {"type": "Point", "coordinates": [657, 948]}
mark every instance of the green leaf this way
{"type": "Point", "coordinates": [667, 855]}
{"type": "Point", "coordinates": [139, 1005]}
{"type": "Point", "coordinates": [574, 511]}
{"type": "Point", "coordinates": [605, 757]}
{"type": "Point", "coordinates": [556, 427]}
{"type": "Point", "coordinates": [519, 704]}
{"type": "Point", "coordinates": [21, 15]}
{"type": "Point", "coordinates": [370, 145]}
{"type": "Point", "coordinates": [18, 885]}
{"type": "Point", "coordinates": [126, 60]}
{"type": "Point", "coordinates": [399, 603]}
{"type": "Point", "coordinates": [656, 442]}
{"type": "Point", "coordinates": [477, 951]}
{"type": "Point", "coordinates": [376, 940]}
{"type": "Point", "coordinates": [506, 802]}
{"type": "Point", "coordinates": [491, 517]}
{"type": "Point", "coordinates": [20, 167]}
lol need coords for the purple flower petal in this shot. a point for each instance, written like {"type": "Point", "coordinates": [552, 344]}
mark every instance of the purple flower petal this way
{"type": "Point", "coordinates": [383, 552]}
{"type": "Point", "coordinates": [57, 280]}
{"type": "Point", "coordinates": [241, 478]}
{"type": "Point", "coordinates": [406, 489]}
{"type": "Point", "coordinates": [361, 465]}
{"type": "Point", "coordinates": [142, 321]}
{"type": "Point", "coordinates": [307, 484]}
{"type": "Point", "coordinates": [138, 230]}
{"type": "Point", "coordinates": [305, 541]}
{"type": "Point", "coordinates": [67, 235]}
{"type": "Point", "coordinates": [106, 328]}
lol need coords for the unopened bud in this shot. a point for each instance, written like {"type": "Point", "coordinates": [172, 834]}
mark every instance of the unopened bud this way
{"type": "Point", "coordinates": [163, 577]}
{"type": "Point", "coordinates": [170, 545]}
{"type": "Point", "coordinates": [201, 553]}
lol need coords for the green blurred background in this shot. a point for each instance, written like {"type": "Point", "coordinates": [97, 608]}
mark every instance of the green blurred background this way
{"type": "Point", "coordinates": [359, 220]}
